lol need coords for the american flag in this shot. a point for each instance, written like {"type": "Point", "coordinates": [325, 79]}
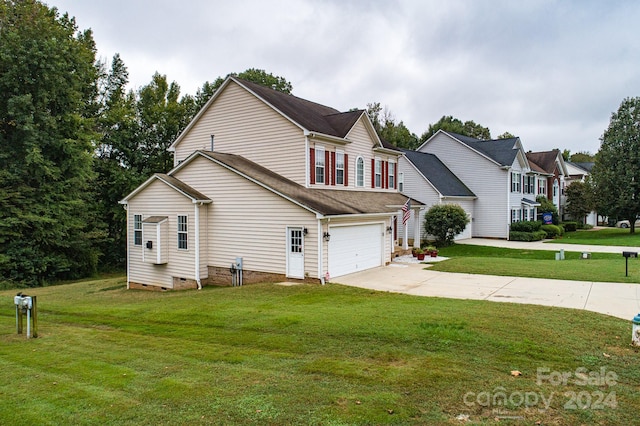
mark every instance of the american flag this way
{"type": "Point", "coordinates": [406, 211]}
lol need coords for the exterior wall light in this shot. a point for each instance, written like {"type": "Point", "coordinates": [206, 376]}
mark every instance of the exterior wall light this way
{"type": "Point", "coordinates": [326, 236]}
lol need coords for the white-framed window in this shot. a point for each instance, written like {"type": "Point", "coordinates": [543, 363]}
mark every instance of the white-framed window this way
{"type": "Point", "coordinates": [515, 181]}
{"type": "Point", "coordinates": [392, 175]}
{"type": "Point", "coordinates": [516, 215]}
{"type": "Point", "coordinates": [339, 168]}
{"type": "Point", "coordinates": [529, 185]}
{"type": "Point", "coordinates": [137, 229]}
{"type": "Point", "coordinates": [359, 171]}
{"type": "Point", "coordinates": [532, 213]}
{"type": "Point", "coordinates": [542, 186]}
{"type": "Point", "coordinates": [400, 181]}
{"type": "Point", "coordinates": [183, 231]}
{"type": "Point", "coordinates": [320, 164]}
{"type": "Point", "coordinates": [378, 171]}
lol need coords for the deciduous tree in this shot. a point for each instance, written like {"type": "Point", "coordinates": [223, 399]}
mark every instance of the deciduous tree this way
{"type": "Point", "coordinates": [616, 173]}
{"type": "Point", "coordinates": [47, 80]}
{"type": "Point", "coordinates": [454, 125]}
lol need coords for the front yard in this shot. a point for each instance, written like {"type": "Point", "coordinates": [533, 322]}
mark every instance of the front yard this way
{"type": "Point", "coordinates": [310, 354]}
{"type": "Point", "coordinates": [604, 267]}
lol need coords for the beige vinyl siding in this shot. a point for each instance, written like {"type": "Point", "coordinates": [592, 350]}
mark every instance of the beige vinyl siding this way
{"type": "Point", "coordinates": [483, 177]}
{"type": "Point", "coordinates": [244, 125]}
{"type": "Point", "coordinates": [158, 199]}
{"type": "Point", "coordinates": [248, 221]}
{"type": "Point", "coordinates": [362, 146]}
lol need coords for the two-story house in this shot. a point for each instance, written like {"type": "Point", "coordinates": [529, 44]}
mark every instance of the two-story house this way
{"type": "Point", "coordinates": [276, 185]}
{"type": "Point", "coordinates": [553, 166]}
{"type": "Point", "coordinates": [491, 179]}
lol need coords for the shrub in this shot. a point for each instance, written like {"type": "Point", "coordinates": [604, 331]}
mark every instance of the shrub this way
{"type": "Point", "coordinates": [527, 236]}
{"type": "Point", "coordinates": [526, 226]}
{"type": "Point", "coordinates": [552, 231]}
{"type": "Point", "coordinates": [571, 226]}
{"type": "Point", "coordinates": [445, 221]}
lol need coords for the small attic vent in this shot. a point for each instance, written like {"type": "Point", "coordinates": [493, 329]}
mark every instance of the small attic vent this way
{"type": "Point", "coordinates": [211, 147]}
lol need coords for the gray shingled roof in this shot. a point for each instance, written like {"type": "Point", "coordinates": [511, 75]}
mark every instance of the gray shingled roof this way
{"type": "Point", "coordinates": [328, 202]}
{"type": "Point", "coordinates": [501, 151]}
{"type": "Point", "coordinates": [445, 182]}
{"type": "Point", "coordinates": [310, 115]}
{"type": "Point", "coordinates": [182, 187]}
{"type": "Point", "coordinates": [587, 167]}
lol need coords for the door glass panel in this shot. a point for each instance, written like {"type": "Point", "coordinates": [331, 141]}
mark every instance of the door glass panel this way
{"type": "Point", "coordinates": [296, 241]}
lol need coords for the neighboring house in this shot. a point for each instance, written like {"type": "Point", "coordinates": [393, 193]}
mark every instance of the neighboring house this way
{"type": "Point", "coordinates": [495, 171]}
{"type": "Point", "coordinates": [426, 179]}
{"type": "Point", "coordinates": [295, 189]}
{"type": "Point", "coordinates": [553, 165]}
{"type": "Point", "coordinates": [579, 172]}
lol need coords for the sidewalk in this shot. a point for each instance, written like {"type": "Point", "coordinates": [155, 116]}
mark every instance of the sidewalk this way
{"type": "Point", "coordinates": [615, 299]}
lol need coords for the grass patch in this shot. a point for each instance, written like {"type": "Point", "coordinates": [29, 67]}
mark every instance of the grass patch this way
{"type": "Point", "coordinates": [604, 267]}
{"type": "Point", "coordinates": [600, 237]}
{"type": "Point", "coordinates": [306, 354]}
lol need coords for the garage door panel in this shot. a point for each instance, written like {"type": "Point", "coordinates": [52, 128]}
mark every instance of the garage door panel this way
{"type": "Point", "coordinates": [354, 248]}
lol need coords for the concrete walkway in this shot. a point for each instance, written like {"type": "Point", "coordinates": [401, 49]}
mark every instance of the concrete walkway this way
{"type": "Point", "coordinates": [615, 299]}
{"type": "Point", "coordinates": [541, 245]}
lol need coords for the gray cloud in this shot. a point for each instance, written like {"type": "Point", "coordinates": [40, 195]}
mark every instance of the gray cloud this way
{"type": "Point", "coordinates": [549, 71]}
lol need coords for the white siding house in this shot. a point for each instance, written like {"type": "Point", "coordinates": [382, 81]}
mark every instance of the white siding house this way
{"type": "Point", "coordinates": [486, 169]}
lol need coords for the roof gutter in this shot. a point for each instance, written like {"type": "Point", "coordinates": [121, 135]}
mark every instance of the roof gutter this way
{"type": "Point", "coordinates": [325, 137]}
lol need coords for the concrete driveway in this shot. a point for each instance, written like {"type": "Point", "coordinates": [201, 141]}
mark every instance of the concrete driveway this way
{"type": "Point", "coordinates": [615, 299]}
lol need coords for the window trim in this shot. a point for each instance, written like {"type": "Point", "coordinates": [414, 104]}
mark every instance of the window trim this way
{"type": "Point", "coordinates": [516, 182]}
{"type": "Point", "coordinates": [320, 164]}
{"type": "Point", "coordinates": [340, 169]}
{"type": "Point", "coordinates": [392, 175]}
{"type": "Point", "coordinates": [137, 231]}
{"type": "Point", "coordinates": [378, 173]}
{"type": "Point", "coordinates": [401, 181]}
{"type": "Point", "coordinates": [359, 172]}
{"type": "Point", "coordinates": [184, 232]}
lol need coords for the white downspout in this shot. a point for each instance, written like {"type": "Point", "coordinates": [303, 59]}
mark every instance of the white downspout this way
{"type": "Point", "coordinates": [307, 166]}
{"type": "Point", "coordinates": [321, 256]}
{"type": "Point", "coordinates": [197, 237]}
{"type": "Point", "coordinates": [128, 243]}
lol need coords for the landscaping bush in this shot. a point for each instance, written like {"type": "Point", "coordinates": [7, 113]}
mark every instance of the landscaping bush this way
{"type": "Point", "coordinates": [552, 231]}
{"type": "Point", "coordinates": [526, 226]}
{"type": "Point", "coordinates": [527, 236]}
{"type": "Point", "coordinates": [571, 226]}
{"type": "Point", "coordinates": [445, 221]}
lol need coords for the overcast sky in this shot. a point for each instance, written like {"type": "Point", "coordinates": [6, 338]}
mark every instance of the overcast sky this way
{"type": "Point", "coordinates": [550, 72]}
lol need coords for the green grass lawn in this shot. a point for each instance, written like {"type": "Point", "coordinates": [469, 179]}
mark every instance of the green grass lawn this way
{"type": "Point", "coordinates": [601, 237]}
{"type": "Point", "coordinates": [312, 355]}
{"type": "Point", "coordinates": [605, 267]}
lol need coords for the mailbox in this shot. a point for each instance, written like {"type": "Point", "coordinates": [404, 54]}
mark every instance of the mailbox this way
{"type": "Point", "coordinates": [627, 255]}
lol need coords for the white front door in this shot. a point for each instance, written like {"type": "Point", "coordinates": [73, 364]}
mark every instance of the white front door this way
{"type": "Point", "coordinates": [295, 253]}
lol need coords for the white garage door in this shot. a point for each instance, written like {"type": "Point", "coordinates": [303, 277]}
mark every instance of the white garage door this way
{"type": "Point", "coordinates": [354, 248]}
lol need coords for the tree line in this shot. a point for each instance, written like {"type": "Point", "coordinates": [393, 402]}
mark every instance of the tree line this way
{"type": "Point", "coordinates": [74, 141]}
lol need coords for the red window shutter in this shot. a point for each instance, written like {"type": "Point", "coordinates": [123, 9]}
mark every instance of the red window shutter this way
{"type": "Point", "coordinates": [333, 168]}
{"type": "Point", "coordinates": [327, 171]}
{"type": "Point", "coordinates": [346, 170]}
{"type": "Point", "coordinates": [395, 177]}
{"type": "Point", "coordinates": [312, 165]}
{"type": "Point", "coordinates": [373, 173]}
{"type": "Point", "coordinates": [386, 175]}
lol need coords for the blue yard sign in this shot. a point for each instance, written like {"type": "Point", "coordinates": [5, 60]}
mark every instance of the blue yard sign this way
{"type": "Point", "coordinates": [547, 218]}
